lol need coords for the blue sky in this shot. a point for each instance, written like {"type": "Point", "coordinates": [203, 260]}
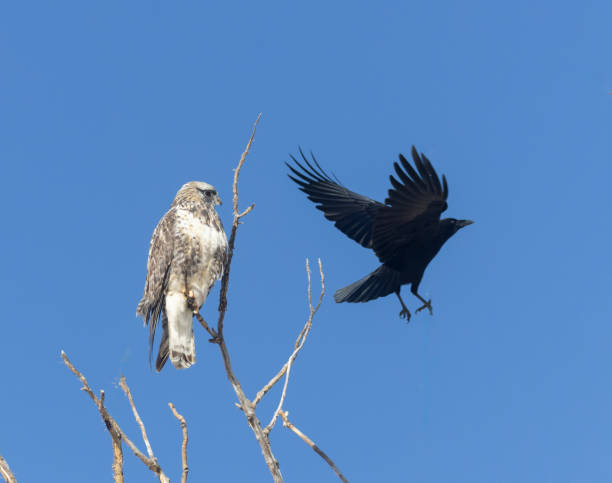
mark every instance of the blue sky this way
{"type": "Point", "coordinates": [108, 107]}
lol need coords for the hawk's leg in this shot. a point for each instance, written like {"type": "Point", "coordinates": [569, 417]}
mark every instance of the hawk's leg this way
{"type": "Point", "coordinates": [405, 313]}
{"type": "Point", "coordinates": [191, 302]}
{"type": "Point", "coordinates": [426, 304]}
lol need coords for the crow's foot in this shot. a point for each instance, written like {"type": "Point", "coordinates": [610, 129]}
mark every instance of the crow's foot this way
{"type": "Point", "coordinates": [405, 314]}
{"type": "Point", "coordinates": [426, 305]}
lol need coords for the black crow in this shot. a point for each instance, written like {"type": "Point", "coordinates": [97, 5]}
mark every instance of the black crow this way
{"type": "Point", "coordinates": [405, 232]}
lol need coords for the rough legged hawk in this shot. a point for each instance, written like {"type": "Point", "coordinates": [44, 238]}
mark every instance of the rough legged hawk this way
{"type": "Point", "coordinates": [187, 256]}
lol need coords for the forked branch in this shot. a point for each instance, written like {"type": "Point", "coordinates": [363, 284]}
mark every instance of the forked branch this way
{"type": "Point", "coordinates": [116, 432]}
{"type": "Point", "coordinates": [244, 403]}
{"type": "Point", "coordinates": [299, 343]}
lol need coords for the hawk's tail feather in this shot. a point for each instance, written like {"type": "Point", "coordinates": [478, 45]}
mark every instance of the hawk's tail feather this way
{"type": "Point", "coordinates": [380, 282]}
{"type": "Point", "coordinates": [181, 344]}
{"type": "Point", "coordinates": [164, 351]}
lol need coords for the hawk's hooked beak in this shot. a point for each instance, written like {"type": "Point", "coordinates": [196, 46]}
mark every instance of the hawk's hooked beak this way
{"type": "Point", "coordinates": [218, 200]}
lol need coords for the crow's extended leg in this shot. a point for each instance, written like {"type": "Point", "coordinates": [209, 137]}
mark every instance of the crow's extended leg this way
{"type": "Point", "coordinates": [426, 304]}
{"type": "Point", "coordinates": [405, 313]}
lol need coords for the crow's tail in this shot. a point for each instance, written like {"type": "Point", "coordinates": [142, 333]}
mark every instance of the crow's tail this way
{"type": "Point", "coordinates": [380, 282]}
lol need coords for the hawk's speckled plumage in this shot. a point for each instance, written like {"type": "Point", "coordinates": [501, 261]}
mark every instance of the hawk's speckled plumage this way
{"type": "Point", "coordinates": [187, 255]}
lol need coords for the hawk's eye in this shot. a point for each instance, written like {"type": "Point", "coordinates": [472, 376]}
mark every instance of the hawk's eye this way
{"type": "Point", "coordinates": [207, 193]}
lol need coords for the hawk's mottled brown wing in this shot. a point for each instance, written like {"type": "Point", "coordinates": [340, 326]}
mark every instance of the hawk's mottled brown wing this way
{"type": "Point", "coordinates": [158, 271]}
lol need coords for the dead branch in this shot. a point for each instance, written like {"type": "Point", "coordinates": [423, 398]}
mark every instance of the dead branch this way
{"type": "Point", "coordinates": [6, 472]}
{"type": "Point", "coordinates": [310, 442]}
{"type": "Point", "coordinates": [299, 343]}
{"type": "Point", "coordinates": [128, 393]}
{"type": "Point", "coordinates": [210, 330]}
{"type": "Point", "coordinates": [185, 439]}
{"type": "Point", "coordinates": [301, 337]}
{"type": "Point", "coordinates": [116, 439]}
{"type": "Point", "coordinates": [245, 404]}
{"type": "Point", "coordinates": [116, 432]}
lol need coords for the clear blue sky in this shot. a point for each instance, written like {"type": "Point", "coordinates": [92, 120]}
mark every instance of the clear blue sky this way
{"type": "Point", "coordinates": [108, 107]}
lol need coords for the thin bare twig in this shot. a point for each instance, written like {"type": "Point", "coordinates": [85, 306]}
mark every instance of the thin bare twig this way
{"type": "Point", "coordinates": [128, 393]}
{"type": "Point", "coordinates": [6, 472]}
{"type": "Point", "coordinates": [299, 343]}
{"type": "Point", "coordinates": [310, 442]}
{"type": "Point", "coordinates": [299, 340]}
{"type": "Point", "coordinates": [185, 439]}
{"type": "Point", "coordinates": [113, 428]}
{"type": "Point", "coordinates": [210, 330]}
{"type": "Point", "coordinates": [116, 439]}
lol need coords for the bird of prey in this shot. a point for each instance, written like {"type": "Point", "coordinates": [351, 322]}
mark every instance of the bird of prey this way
{"type": "Point", "coordinates": [405, 231]}
{"type": "Point", "coordinates": [187, 256]}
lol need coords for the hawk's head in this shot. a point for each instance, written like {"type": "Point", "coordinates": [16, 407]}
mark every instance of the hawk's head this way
{"type": "Point", "coordinates": [199, 191]}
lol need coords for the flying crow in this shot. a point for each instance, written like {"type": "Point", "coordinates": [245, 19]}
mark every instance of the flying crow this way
{"type": "Point", "coordinates": [405, 232]}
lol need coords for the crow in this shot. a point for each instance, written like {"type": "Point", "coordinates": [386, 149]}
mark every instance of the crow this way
{"type": "Point", "coordinates": [405, 231]}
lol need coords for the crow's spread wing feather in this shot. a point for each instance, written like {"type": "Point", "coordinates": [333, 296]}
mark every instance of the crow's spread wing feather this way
{"type": "Point", "coordinates": [414, 204]}
{"type": "Point", "coordinates": [352, 213]}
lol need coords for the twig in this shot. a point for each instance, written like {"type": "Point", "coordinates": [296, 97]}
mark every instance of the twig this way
{"type": "Point", "coordinates": [6, 472]}
{"type": "Point", "coordinates": [299, 343]}
{"type": "Point", "coordinates": [128, 393]}
{"type": "Point", "coordinates": [232, 240]}
{"type": "Point", "coordinates": [300, 340]}
{"type": "Point", "coordinates": [116, 439]}
{"type": "Point", "coordinates": [114, 429]}
{"type": "Point", "coordinates": [185, 439]}
{"type": "Point", "coordinates": [210, 330]}
{"type": "Point", "coordinates": [309, 442]}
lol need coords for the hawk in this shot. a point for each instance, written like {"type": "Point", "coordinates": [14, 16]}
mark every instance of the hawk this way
{"type": "Point", "coordinates": [187, 256]}
{"type": "Point", "coordinates": [405, 232]}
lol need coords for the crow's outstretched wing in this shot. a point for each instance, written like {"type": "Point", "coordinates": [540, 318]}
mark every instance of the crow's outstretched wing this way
{"type": "Point", "coordinates": [352, 213]}
{"type": "Point", "coordinates": [411, 210]}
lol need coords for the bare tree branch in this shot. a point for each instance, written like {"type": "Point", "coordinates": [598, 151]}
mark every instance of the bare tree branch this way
{"type": "Point", "coordinates": [298, 346]}
{"type": "Point", "coordinates": [116, 439]}
{"type": "Point", "coordinates": [6, 472]}
{"type": "Point", "coordinates": [310, 442]}
{"type": "Point", "coordinates": [247, 406]}
{"type": "Point", "coordinates": [301, 337]}
{"type": "Point", "coordinates": [115, 431]}
{"type": "Point", "coordinates": [128, 393]}
{"type": "Point", "coordinates": [210, 330]}
{"type": "Point", "coordinates": [185, 439]}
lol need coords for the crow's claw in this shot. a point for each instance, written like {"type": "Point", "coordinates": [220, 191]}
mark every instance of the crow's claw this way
{"type": "Point", "coordinates": [426, 305]}
{"type": "Point", "coordinates": [405, 314]}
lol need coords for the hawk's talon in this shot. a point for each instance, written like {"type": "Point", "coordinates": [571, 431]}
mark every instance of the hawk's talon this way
{"type": "Point", "coordinates": [426, 305]}
{"type": "Point", "coordinates": [191, 302]}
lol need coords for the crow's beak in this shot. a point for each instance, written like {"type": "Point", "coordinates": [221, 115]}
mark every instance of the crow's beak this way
{"type": "Point", "coordinates": [465, 223]}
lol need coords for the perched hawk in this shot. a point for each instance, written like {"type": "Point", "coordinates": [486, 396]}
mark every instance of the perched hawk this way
{"type": "Point", "coordinates": [187, 256]}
